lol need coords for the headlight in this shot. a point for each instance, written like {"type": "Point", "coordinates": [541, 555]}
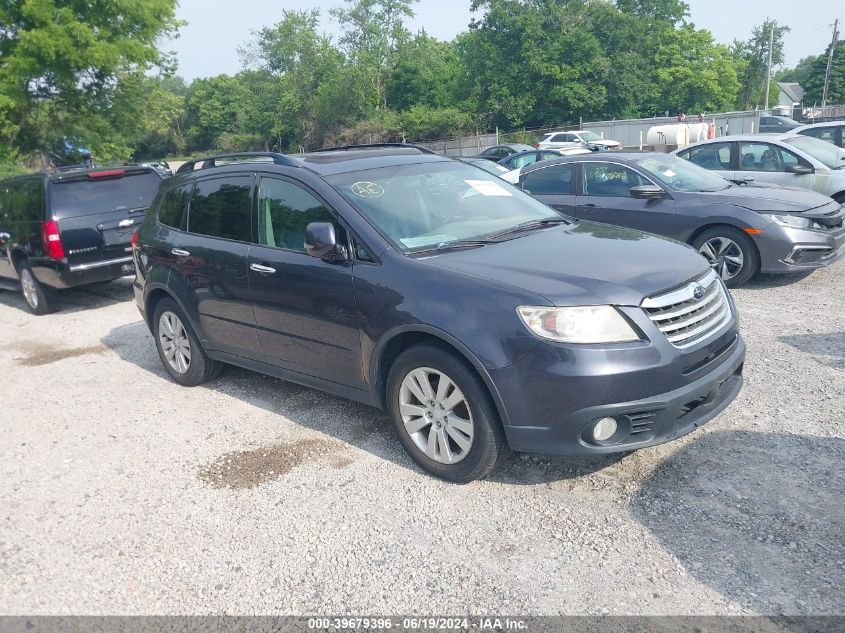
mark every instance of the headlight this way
{"type": "Point", "coordinates": [793, 221]}
{"type": "Point", "coordinates": [582, 324]}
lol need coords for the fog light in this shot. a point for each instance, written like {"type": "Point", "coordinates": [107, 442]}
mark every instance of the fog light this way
{"type": "Point", "coordinates": [604, 429]}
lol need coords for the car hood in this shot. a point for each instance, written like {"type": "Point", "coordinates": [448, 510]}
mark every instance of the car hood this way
{"type": "Point", "coordinates": [777, 199]}
{"type": "Point", "coordinates": [582, 264]}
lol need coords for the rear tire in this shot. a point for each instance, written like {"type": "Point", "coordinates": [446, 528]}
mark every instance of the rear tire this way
{"type": "Point", "coordinates": [444, 416]}
{"type": "Point", "coordinates": [39, 299]}
{"type": "Point", "coordinates": [731, 252]}
{"type": "Point", "coordinates": [179, 348]}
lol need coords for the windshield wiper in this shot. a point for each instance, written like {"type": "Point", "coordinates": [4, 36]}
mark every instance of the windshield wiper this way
{"type": "Point", "coordinates": [451, 245]}
{"type": "Point", "coordinates": [527, 226]}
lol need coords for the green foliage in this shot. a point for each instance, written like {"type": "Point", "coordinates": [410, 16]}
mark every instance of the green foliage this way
{"type": "Point", "coordinates": [814, 81]}
{"type": "Point", "coordinates": [61, 60]}
{"type": "Point", "coordinates": [751, 59]}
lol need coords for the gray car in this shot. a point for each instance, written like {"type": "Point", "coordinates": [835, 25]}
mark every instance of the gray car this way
{"type": "Point", "coordinates": [740, 229]}
{"type": "Point", "coordinates": [782, 159]}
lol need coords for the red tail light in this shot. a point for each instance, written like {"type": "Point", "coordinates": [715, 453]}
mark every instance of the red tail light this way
{"type": "Point", "coordinates": [52, 240]}
{"type": "Point", "coordinates": [536, 146]}
{"type": "Point", "coordinates": [133, 241]}
{"type": "Point", "coordinates": [112, 173]}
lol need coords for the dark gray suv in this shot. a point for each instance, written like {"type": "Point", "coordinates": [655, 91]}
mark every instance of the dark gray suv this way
{"type": "Point", "coordinates": [480, 319]}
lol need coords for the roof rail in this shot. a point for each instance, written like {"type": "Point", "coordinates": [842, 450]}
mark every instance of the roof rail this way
{"type": "Point", "coordinates": [419, 148]}
{"type": "Point", "coordinates": [208, 162]}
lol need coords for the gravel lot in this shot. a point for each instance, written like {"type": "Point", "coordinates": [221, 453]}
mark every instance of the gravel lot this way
{"type": "Point", "coordinates": [125, 493]}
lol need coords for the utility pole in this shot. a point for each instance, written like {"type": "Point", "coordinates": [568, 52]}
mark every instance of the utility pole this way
{"type": "Point", "coordinates": [769, 67]}
{"type": "Point", "coordinates": [830, 61]}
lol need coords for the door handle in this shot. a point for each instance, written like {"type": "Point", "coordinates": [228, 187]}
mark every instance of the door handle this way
{"type": "Point", "coordinates": [590, 205]}
{"type": "Point", "coordinates": [267, 270]}
{"type": "Point", "coordinates": [180, 253]}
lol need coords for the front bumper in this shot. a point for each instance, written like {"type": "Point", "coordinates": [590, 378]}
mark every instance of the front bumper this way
{"type": "Point", "coordinates": [784, 249]}
{"type": "Point", "coordinates": [654, 391]}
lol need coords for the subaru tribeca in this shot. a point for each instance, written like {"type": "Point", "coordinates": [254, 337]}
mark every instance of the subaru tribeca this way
{"type": "Point", "coordinates": [480, 319]}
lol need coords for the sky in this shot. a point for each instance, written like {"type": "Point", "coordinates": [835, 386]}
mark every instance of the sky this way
{"type": "Point", "coordinates": [208, 44]}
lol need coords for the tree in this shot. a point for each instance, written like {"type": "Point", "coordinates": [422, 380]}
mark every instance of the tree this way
{"type": "Point", "coordinates": [372, 31]}
{"type": "Point", "coordinates": [810, 73]}
{"type": "Point", "coordinates": [751, 59]}
{"type": "Point", "coordinates": [427, 73]}
{"type": "Point", "coordinates": [59, 59]}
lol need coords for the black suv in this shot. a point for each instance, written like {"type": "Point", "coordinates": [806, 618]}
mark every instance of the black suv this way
{"type": "Point", "coordinates": [70, 228]}
{"type": "Point", "coordinates": [479, 318]}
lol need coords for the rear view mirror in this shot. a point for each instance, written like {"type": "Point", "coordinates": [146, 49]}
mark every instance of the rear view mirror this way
{"type": "Point", "coordinates": [647, 192]}
{"type": "Point", "coordinates": [321, 242]}
{"type": "Point", "coordinates": [799, 169]}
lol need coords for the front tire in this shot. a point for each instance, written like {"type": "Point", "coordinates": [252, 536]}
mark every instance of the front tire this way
{"type": "Point", "coordinates": [39, 299]}
{"type": "Point", "coordinates": [179, 348]}
{"type": "Point", "coordinates": [730, 252]}
{"type": "Point", "coordinates": [444, 416]}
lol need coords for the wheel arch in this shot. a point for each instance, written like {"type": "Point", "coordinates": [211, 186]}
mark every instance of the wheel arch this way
{"type": "Point", "coordinates": [713, 225]}
{"type": "Point", "coordinates": [401, 338]}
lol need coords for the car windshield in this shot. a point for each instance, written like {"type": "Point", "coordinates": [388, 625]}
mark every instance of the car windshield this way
{"type": "Point", "coordinates": [826, 153]}
{"type": "Point", "coordinates": [427, 204]}
{"type": "Point", "coordinates": [681, 175]}
{"type": "Point", "coordinates": [590, 136]}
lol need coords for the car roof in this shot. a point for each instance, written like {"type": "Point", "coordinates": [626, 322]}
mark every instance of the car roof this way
{"type": "Point", "coordinates": [820, 124]}
{"type": "Point", "coordinates": [324, 162]}
{"type": "Point", "coordinates": [76, 172]}
{"type": "Point", "coordinates": [607, 157]}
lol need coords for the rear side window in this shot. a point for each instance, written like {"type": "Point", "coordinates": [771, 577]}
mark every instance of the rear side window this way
{"type": "Point", "coordinates": [285, 210]}
{"type": "Point", "coordinates": [711, 156]}
{"type": "Point", "coordinates": [174, 203]}
{"type": "Point", "coordinates": [23, 200]}
{"type": "Point", "coordinates": [549, 181]}
{"type": "Point", "coordinates": [220, 208]}
{"type": "Point", "coordinates": [824, 133]}
{"type": "Point", "coordinates": [87, 196]}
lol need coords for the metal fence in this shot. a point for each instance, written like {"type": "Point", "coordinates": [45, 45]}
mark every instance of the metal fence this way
{"type": "Point", "coordinates": [462, 147]}
{"type": "Point", "coordinates": [626, 131]}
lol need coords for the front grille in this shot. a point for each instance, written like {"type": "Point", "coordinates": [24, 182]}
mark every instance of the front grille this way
{"type": "Point", "coordinates": [686, 320]}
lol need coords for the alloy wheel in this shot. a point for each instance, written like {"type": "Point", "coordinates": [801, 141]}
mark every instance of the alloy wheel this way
{"type": "Point", "coordinates": [436, 415]}
{"type": "Point", "coordinates": [175, 344]}
{"type": "Point", "coordinates": [30, 292]}
{"type": "Point", "coordinates": [724, 255]}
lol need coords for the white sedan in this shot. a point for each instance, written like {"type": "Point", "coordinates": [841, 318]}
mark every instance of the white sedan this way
{"type": "Point", "coordinates": [576, 138]}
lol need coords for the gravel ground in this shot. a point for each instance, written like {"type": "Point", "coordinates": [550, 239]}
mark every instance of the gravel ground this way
{"type": "Point", "coordinates": [125, 493]}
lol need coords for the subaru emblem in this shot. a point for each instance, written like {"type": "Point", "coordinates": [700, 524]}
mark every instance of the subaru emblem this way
{"type": "Point", "coordinates": [698, 293]}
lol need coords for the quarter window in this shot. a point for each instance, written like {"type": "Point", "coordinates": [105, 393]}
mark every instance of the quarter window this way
{"type": "Point", "coordinates": [555, 180]}
{"type": "Point", "coordinates": [284, 212]}
{"type": "Point", "coordinates": [609, 179]}
{"type": "Point", "coordinates": [171, 211]}
{"type": "Point", "coordinates": [220, 208]}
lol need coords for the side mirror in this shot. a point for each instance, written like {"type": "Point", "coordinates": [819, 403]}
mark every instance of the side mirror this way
{"type": "Point", "coordinates": [647, 192]}
{"type": "Point", "coordinates": [321, 242]}
{"type": "Point", "coordinates": [799, 169]}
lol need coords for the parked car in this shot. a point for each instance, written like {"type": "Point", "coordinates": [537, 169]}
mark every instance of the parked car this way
{"type": "Point", "coordinates": [784, 159]}
{"type": "Point", "coordinates": [489, 166]}
{"type": "Point", "coordinates": [831, 131]}
{"type": "Point", "coordinates": [740, 229]}
{"type": "Point", "coordinates": [70, 228]}
{"type": "Point", "coordinates": [529, 157]}
{"type": "Point", "coordinates": [776, 124]}
{"type": "Point", "coordinates": [576, 138]}
{"type": "Point", "coordinates": [499, 152]}
{"type": "Point", "coordinates": [513, 175]}
{"type": "Point", "coordinates": [480, 320]}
